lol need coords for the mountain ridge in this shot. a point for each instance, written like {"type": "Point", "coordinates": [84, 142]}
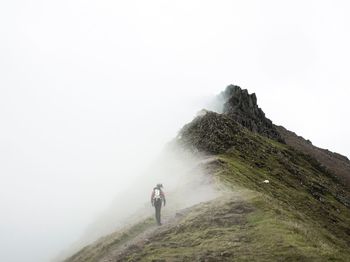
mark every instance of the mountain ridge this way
{"type": "Point", "coordinates": [279, 199]}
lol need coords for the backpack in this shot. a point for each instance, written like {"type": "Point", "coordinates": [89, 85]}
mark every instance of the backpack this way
{"type": "Point", "coordinates": [157, 194]}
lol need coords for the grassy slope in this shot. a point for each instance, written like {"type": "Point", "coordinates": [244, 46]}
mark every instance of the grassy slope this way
{"type": "Point", "coordinates": [301, 215]}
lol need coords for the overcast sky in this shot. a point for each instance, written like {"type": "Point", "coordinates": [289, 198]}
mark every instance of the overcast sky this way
{"type": "Point", "coordinates": [90, 91]}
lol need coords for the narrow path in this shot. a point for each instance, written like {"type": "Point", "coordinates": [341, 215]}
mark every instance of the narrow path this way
{"type": "Point", "coordinates": [140, 240]}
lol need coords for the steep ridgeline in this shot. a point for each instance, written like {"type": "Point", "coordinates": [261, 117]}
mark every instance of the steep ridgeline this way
{"type": "Point", "coordinates": [334, 162]}
{"type": "Point", "coordinates": [277, 203]}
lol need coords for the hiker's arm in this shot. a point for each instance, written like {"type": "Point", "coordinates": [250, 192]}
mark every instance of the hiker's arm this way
{"type": "Point", "coordinates": [152, 196]}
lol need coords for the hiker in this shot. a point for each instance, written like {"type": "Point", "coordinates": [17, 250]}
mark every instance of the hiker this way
{"type": "Point", "coordinates": [157, 199]}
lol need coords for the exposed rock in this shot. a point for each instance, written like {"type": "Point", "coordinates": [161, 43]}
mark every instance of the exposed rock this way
{"type": "Point", "coordinates": [210, 133]}
{"type": "Point", "coordinates": [243, 108]}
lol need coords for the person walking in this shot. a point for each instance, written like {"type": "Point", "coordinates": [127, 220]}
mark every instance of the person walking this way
{"type": "Point", "coordinates": [157, 198]}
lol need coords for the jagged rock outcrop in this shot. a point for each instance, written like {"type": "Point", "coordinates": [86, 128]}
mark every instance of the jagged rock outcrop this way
{"type": "Point", "coordinates": [210, 132]}
{"type": "Point", "coordinates": [243, 108]}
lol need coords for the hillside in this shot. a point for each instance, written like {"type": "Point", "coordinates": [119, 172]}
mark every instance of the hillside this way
{"type": "Point", "coordinates": [300, 213]}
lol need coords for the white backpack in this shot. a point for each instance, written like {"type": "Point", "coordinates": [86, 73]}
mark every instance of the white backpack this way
{"type": "Point", "coordinates": [156, 193]}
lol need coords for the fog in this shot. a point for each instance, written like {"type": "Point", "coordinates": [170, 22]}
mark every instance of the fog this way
{"type": "Point", "coordinates": [186, 182]}
{"type": "Point", "coordinates": [91, 92]}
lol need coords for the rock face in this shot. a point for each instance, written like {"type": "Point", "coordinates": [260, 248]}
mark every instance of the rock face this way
{"type": "Point", "coordinates": [243, 108]}
{"type": "Point", "coordinates": [210, 132]}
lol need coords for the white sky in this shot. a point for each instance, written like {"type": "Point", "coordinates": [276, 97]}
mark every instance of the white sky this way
{"type": "Point", "coordinates": [91, 90]}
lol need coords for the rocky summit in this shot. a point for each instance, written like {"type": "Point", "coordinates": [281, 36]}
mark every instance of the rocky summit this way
{"type": "Point", "coordinates": [243, 108]}
{"type": "Point", "coordinates": [212, 132]}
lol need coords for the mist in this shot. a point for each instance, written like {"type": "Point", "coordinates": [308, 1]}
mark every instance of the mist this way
{"type": "Point", "coordinates": [65, 168]}
{"type": "Point", "coordinates": [92, 91]}
{"type": "Point", "coordinates": [185, 180]}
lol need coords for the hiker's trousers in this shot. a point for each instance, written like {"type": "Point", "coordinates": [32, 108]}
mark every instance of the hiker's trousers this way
{"type": "Point", "coordinates": [158, 206]}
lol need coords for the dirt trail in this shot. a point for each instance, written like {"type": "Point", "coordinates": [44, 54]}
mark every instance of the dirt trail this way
{"type": "Point", "coordinates": [169, 221]}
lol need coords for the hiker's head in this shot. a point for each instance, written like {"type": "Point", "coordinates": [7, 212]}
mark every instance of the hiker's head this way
{"type": "Point", "coordinates": [160, 185]}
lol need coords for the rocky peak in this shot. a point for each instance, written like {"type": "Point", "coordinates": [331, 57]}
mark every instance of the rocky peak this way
{"type": "Point", "coordinates": [241, 106]}
{"type": "Point", "coordinates": [239, 101]}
